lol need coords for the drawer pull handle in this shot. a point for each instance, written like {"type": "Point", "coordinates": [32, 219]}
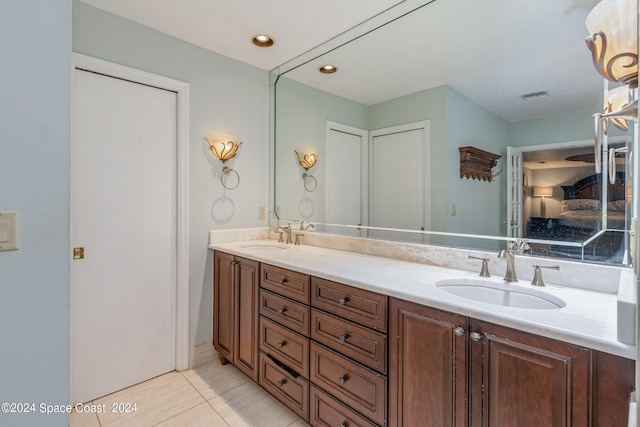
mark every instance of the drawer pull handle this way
{"type": "Point", "coordinates": [281, 310]}
{"type": "Point", "coordinates": [343, 301]}
{"type": "Point", "coordinates": [281, 344]}
{"type": "Point", "coordinates": [476, 336]}
{"type": "Point", "coordinates": [342, 379]}
{"type": "Point", "coordinates": [344, 337]}
{"type": "Point", "coordinates": [459, 331]}
{"type": "Point", "coordinates": [280, 383]}
{"type": "Point", "coordinates": [282, 281]}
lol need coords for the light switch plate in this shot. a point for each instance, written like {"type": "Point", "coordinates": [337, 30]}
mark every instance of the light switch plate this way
{"type": "Point", "coordinates": [8, 231]}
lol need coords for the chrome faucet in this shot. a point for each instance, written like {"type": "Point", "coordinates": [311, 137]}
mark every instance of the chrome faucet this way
{"type": "Point", "coordinates": [310, 225]}
{"type": "Point", "coordinates": [286, 230]}
{"type": "Point", "coordinates": [510, 255]}
{"type": "Point", "coordinates": [510, 275]}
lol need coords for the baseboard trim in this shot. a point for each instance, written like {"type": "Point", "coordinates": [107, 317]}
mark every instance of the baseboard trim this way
{"type": "Point", "coordinates": [201, 354]}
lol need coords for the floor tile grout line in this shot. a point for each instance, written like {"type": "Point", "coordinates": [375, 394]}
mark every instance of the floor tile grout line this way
{"type": "Point", "coordinates": [208, 401]}
{"type": "Point", "coordinates": [187, 409]}
{"type": "Point", "coordinates": [219, 414]}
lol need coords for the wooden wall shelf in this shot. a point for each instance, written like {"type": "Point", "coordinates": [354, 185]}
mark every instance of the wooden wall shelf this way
{"type": "Point", "coordinates": [477, 164]}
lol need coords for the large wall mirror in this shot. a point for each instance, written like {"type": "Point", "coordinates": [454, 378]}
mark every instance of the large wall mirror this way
{"type": "Point", "coordinates": [373, 149]}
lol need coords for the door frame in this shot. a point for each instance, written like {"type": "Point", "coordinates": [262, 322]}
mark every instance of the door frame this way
{"type": "Point", "coordinates": [88, 63]}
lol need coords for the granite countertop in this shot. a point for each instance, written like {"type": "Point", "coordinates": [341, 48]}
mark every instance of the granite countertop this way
{"type": "Point", "coordinates": [588, 319]}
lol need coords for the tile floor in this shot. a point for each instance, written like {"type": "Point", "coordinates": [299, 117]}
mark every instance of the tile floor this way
{"type": "Point", "coordinates": [208, 395]}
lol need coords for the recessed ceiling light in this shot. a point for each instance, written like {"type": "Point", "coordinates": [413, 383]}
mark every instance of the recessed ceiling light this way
{"type": "Point", "coordinates": [262, 40]}
{"type": "Point", "coordinates": [328, 69]}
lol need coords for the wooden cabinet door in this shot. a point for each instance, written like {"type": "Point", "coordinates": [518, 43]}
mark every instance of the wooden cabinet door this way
{"type": "Point", "coordinates": [223, 303]}
{"type": "Point", "coordinates": [427, 366]}
{"type": "Point", "coordinates": [246, 319]}
{"type": "Point", "coordinates": [521, 379]}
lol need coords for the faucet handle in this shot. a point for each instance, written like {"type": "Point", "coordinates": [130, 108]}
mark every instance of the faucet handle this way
{"type": "Point", "coordinates": [537, 273]}
{"type": "Point", "coordinates": [484, 271]}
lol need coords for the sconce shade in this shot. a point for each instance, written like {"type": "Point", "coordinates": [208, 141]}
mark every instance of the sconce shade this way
{"type": "Point", "coordinates": [224, 148]}
{"type": "Point", "coordinates": [617, 99]}
{"type": "Point", "coordinates": [307, 159]}
{"type": "Point", "coordinates": [614, 40]}
{"type": "Point", "coordinates": [543, 191]}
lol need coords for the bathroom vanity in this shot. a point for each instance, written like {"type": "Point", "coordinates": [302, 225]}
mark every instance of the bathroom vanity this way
{"type": "Point", "coordinates": [344, 338]}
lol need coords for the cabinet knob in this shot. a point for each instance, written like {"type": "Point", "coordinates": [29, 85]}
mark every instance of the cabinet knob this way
{"type": "Point", "coordinates": [280, 383]}
{"type": "Point", "coordinates": [281, 310]}
{"type": "Point", "coordinates": [281, 344]}
{"type": "Point", "coordinates": [343, 301]}
{"type": "Point", "coordinates": [282, 281]}
{"type": "Point", "coordinates": [234, 262]}
{"type": "Point", "coordinates": [476, 336]}
{"type": "Point", "coordinates": [459, 331]}
{"type": "Point", "coordinates": [342, 425]}
{"type": "Point", "coordinates": [344, 337]}
{"type": "Point", "coordinates": [342, 380]}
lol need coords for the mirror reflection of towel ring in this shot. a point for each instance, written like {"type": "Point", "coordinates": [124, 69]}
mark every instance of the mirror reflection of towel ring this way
{"type": "Point", "coordinates": [310, 182]}
{"type": "Point", "coordinates": [226, 171]}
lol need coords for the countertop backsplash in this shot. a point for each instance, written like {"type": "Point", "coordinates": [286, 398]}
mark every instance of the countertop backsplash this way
{"type": "Point", "coordinates": [595, 277]}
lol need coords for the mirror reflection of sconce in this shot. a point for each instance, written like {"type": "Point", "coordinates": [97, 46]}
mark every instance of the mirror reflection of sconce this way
{"type": "Point", "coordinates": [543, 192]}
{"type": "Point", "coordinates": [308, 159]}
{"type": "Point", "coordinates": [225, 147]}
{"type": "Point", "coordinates": [614, 47]}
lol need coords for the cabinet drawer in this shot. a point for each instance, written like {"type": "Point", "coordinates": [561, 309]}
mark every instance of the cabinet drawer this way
{"type": "Point", "coordinates": [293, 392]}
{"type": "Point", "coordinates": [351, 339]}
{"type": "Point", "coordinates": [365, 390]}
{"type": "Point", "coordinates": [288, 347]}
{"type": "Point", "coordinates": [289, 313]}
{"type": "Point", "coordinates": [285, 282]}
{"type": "Point", "coordinates": [362, 306]}
{"type": "Point", "coordinates": [327, 411]}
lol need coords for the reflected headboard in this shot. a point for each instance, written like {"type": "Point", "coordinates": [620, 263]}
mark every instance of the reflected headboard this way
{"type": "Point", "coordinates": [591, 188]}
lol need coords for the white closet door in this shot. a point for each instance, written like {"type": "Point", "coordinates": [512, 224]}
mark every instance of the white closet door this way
{"type": "Point", "coordinates": [124, 216]}
{"type": "Point", "coordinates": [346, 158]}
{"type": "Point", "coordinates": [400, 181]}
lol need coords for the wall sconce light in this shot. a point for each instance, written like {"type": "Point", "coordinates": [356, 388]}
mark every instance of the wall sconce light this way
{"type": "Point", "coordinates": [614, 40]}
{"type": "Point", "coordinates": [543, 192]}
{"type": "Point", "coordinates": [225, 147]}
{"type": "Point", "coordinates": [614, 48]}
{"type": "Point", "coordinates": [617, 100]}
{"type": "Point", "coordinates": [308, 159]}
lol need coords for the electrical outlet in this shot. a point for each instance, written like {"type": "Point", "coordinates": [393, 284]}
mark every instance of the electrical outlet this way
{"type": "Point", "coordinates": [453, 209]}
{"type": "Point", "coordinates": [262, 212]}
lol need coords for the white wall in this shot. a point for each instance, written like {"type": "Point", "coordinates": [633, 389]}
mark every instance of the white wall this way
{"type": "Point", "coordinates": [35, 47]}
{"type": "Point", "coordinates": [226, 96]}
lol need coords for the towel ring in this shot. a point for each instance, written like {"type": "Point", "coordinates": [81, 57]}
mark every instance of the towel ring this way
{"type": "Point", "coordinates": [226, 171]}
{"type": "Point", "coordinates": [310, 182]}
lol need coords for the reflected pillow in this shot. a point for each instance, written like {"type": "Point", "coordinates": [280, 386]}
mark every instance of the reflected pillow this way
{"type": "Point", "coordinates": [617, 206]}
{"type": "Point", "coordinates": [581, 205]}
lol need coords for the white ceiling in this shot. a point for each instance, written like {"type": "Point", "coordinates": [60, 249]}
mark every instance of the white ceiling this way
{"type": "Point", "coordinates": [491, 52]}
{"type": "Point", "coordinates": [226, 27]}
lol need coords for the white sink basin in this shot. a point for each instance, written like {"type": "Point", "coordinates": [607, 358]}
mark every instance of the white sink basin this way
{"type": "Point", "coordinates": [501, 294]}
{"type": "Point", "coordinates": [265, 245]}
